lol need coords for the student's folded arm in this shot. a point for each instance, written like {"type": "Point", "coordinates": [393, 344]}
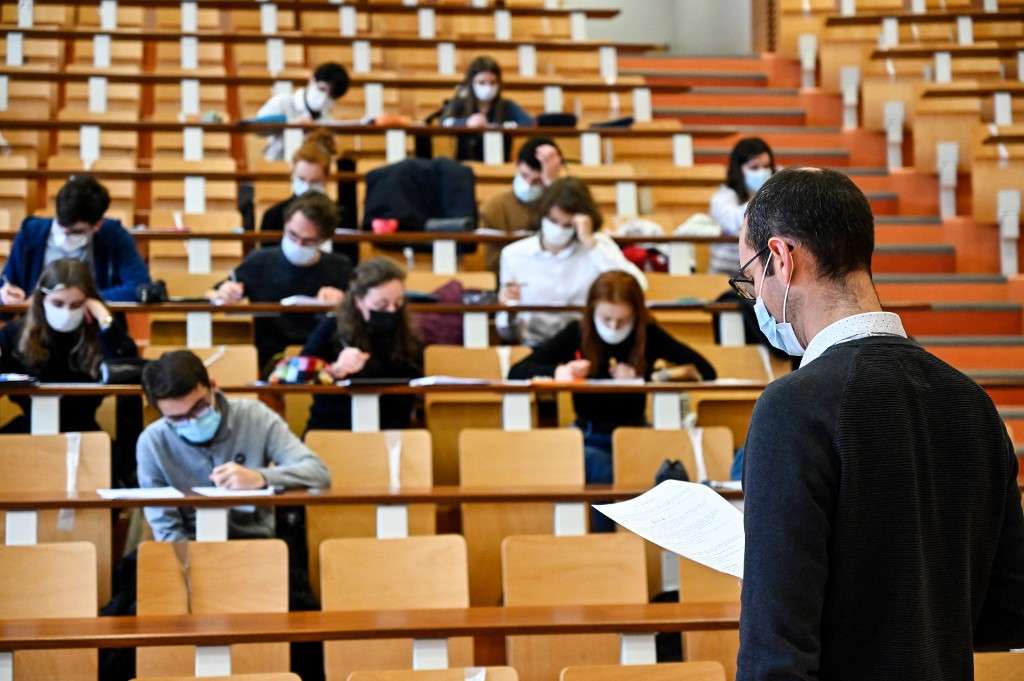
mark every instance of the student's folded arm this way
{"type": "Point", "coordinates": [546, 357]}
{"type": "Point", "coordinates": [131, 269]}
{"type": "Point", "coordinates": [669, 349]}
{"type": "Point", "coordinates": [165, 521]}
{"type": "Point", "coordinates": [295, 464]}
{"type": "Point", "coordinates": [319, 342]}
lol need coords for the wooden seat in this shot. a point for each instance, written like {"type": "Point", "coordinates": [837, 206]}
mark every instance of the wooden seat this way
{"type": "Point", "coordinates": [492, 674]}
{"type": "Point", "coordinates": [39, 463]}
{"type": "Point", "coordinates": [361, 460]}
{"type": "Point", "coordinates": [50, 580]}
{"type": "Point", "coordinates": [172, 145]}
{"type": "Point", "coordinates": [15, 196]}
{"type": "Point", "coordinates": [700, 584]}
{"type": "Point", "coordinates": [209, 56]}
{"type": "Point", "coordinates": [595, 569]}
{"type": "Point", "coordinates": [237, 576]}
{"type": "Point", "coordinates": [496, 458]}
{"type": "Point", "coordinates": [122, 192]}
{"type": "Point", "coordinates": [251, 59]}
{"type": "Point", "coordinates": [233, 677]}
{"type": "Point", "coordinates": [387, 574]}
{"type": "Point", "coordinates": [223, 254]}
{"type": "Point", "coordinates": [678, 671]}
{"type": "Point", "coordinates": [998, 667]}
{"type": "Point", "coordinates": [226, 364]}
{"type": "Point", "coordinates": [221, 194]}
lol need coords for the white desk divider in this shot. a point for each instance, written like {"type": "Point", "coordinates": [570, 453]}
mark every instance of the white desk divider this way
{"type": "Point", "coordinates": [108, 15]}
{"type": "Point", "coordinates": [475, 330]}
{"type": "Point", "coordinates": [361, 56]}
{"type": "Point", "coordinates": [502, 24]}
{"type": "Point", "coordinates": [429, 653]}
{"type": "Point", "coordinates": [213, 661]}
{"type": "Point", "coordinates": [275, 56]}
{"type": "Point", "coordinates": [427, 23]}
{"type": "Point", "coordinates": [1002, 107]}
{"type": "Point", "coordinates": [189, 52]}
{"type": "Point", "coordinates": [682, 258]}
{"type": "Point", "coordinates": [609, 61]}
{"type": "Point", "coordinates": [990, 5]}
{"type": "Point", "coordinates": [730, 329]}
{"type": "Point", "coordinates": [3, 93]}
{"type": "Point", "coordinates": [527, 60]}
{"type": "Point", "coordinates": [890, 34]}
{"type": "Point", "coordinates": [808, 59]}
{"type": "Point", "coordinates": [394, 144]}
{"type": "Point", "coordinates": [667, 411]}
{"type": "Point", "coordinates": [45, 415]}
{"type": "Point", "coordinates": [101, 51]}
{"type": "Point", "coordinates": [515, 411]}
{"type": "Point", "coordinates": [89, 144]}
{"type": "Point", "coordinates": [410, 3]}
{"type": "Point", "coordinates": [669, 571]}
{"type": "Point", "coordinates": [964, 31]}
{"type": "Point", "coordinates": [195, 194]}
{"type": "Point", "coordinates": [1020, 66]}
{"type": "Point", "coordinates": [193, 143]}
{"type": "Point", "coordinates": [21, 528]}
{"type": "Point", "coordinates": [200, 260]}
{"type": "Point", "coordinates": [444, 260]}
{"type": "Point", "coordinates": [895, 113]}
{"type": "Point", "coordinates": [392, 522]}
{"type": "Point", "coordinates": [6, 666]}
{"type": "Point", "coordinates": [643, 111]}
{"type": "Point", "coordinates": [347, 21]}
{"type": "Point", "coordinates": [198, 330]}
{"type": "Point", "coordinates": [1008, 211]}
{"type": "Point", "coordinates": [553, 102]}
{"type": "Point", "coordinates": [847, 8]}
{"type": "Point", "coordinates": [577, 26]}
{"type": "Point", "coordinates": [97, 94]}
{"type": "Point", "coordinates": [292, 141]}
{"type": "Point", "coordinates": [849, 79]}
{"type": "Point", "coordinates": [626, 199]}
{"type": "Point", "coordinates": [365, 413]}
{"type": "Point", "coordinates": [189, 17]}
{"type": "Point", "coordinates": [446, 59]}
{"type": "Point", "coordinates": [25, 17]}
{"type": "Point", "coordinates": [682, 150]}
{"type": "Point", "coordinates": [212, 524]}
{"type": "Point", "coordinates": [590, 149]}
{"type": "Point", "coordinates": [494, 148]}
{"type": "Point", "coordinates": [637, 649]}
{"type": "Point", "coordinates": [919, 6]}
{"type": "Point", "coordinates": [479, 4]}
{"type": "Point", "coordinates": [373, 93]}
{"type": "Point", "coordinates": [15, 53]}
{"type": "Point", "coordinates": [943, 67]}
{"type": "Point", "coordinates": [268, 18]}
{"type": "Point", "coordinates": [190, 97]}
{"type": "Point", "coordinates": [570, 519]}
{"type": "Point", "coordinates": [947, 158]}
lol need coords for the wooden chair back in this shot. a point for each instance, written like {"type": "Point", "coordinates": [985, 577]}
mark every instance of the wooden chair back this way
{"type": "Point", "coordinates": [998, 667]}
{"type": "Point", "coordinates": [233, 677]}
{"type": "Point", "coordinates": [662, 286]}
{"type": "Point", "coordinates": [593, 569]}
{"type": "Point", "coordinates": [497, 458]}
{"type": "Point", "coordinates": [237, 576]}
{"type": "Point", "coordinates": [425, 282]}
{"type": "Point", "coordinates": [227, 364]}
{"type": "Point", "coordinates": [669, 671]}
{"type": "Point", "coordinates": [700, 584]}
{"type": "Point", "coordinates": [389, 574]}
{"type": "Point", "coordinates": [492, 674]}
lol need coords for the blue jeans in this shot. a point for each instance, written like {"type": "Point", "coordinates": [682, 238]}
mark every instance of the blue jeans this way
{"type": "Point", "coordinates": [597, 464]}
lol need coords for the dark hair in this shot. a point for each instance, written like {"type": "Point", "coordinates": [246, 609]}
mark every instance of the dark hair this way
{"type": "Point", "coordinates": [571, 195]}
{"type": "Point", "coordinates": [336, 77]}
{"type": "Point", "coordinates": [36, 334]}
{"type": "Point", "coordinates": [352, 327]}
{"type": "Point", "coordinates": [318, 209]}
{"type": "Point", "coordinates": [528, 152]}
{"type": "Point", "coordinates": [615, 287]}
{"type": "Point", "coordinates": [745, 150]}
{"type": "Point", "coordinates": [82, 199]}
{"type": "Point", "coordinates": [175, 374]}
{"type": "Point", "coordinates": [823, 210]}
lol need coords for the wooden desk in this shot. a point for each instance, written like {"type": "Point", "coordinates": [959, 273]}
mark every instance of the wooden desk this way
{"type": "Point", "coordinates": [876, 18]}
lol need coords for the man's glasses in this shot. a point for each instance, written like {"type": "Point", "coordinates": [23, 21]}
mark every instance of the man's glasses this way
{"type": "Point", "coordinates": [198, 410]}
{"type": "Point", "coordinates": [742, 284]}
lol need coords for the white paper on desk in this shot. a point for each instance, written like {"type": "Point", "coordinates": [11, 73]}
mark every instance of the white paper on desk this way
{"type": "Point", "coordinates": [615, 381]}
{"type": "Point", "coordinates": [302, 300]}
{"type": "Point", "coordinates": [686, 518]}
{"type": "Point", "coordinates": [140, 493]}
{"type": "Point", "coordinates": [222, 492]}
{"type": "Point", "coordinates": [446, 380]}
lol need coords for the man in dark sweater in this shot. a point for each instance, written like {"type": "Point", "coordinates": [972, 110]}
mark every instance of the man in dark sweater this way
{"type": "Point", "coordinates": [298, 267]}
{"type": "Point", "coordinates": [884, 535]}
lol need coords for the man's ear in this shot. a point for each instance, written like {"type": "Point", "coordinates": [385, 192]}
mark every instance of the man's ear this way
{"type": "Point", "coordinates": [782, 257]}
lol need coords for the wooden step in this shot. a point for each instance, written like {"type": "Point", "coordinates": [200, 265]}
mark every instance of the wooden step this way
{"type": "Point", "coordinates": [978, 353]}
{"type": "Point", "coordinates": [660, 63]}
{"type": "Point", "coordinates": [1006, 388]}
{"type": "Point", "coordinates": [914, 258]}
{"type": "Point", "coordinates": [698, 78]}
{"type": "Point", "coordinates": [862, 149]}
{"type": "Point", "coordinates": [784, 156]}
{"type": "Point", "coordinates": [951, 319]}
{"type": "Point", "coordinates": [1014, 418]}
{"type": "Point", "coordinates": [931, 288]}
{"type": "Point", "coordinates": [741, 115]}
{"type": "Point", "coordinates": [893, 229]}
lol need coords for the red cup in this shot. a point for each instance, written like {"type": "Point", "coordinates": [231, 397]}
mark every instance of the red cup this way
{"type": "Point", "coordinates": [384, 225]}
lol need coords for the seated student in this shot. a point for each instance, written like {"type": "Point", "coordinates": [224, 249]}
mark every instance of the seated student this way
{"type": "Point", "coordinates": [371, 337]}
{"type": "Point", "coordinates": [478, 104]}
{"type": "Point", "coordinates": [312, 102]}
{"type": "Point", "coordinates": [751, 163]}
{"type": "Point", "coordinates": [557, 265]}
{"type": "Point", "coordinates": [62, 338]}
{"type": "Point", "coordinates": [78, 231]}
{"type": "Point", "coordinates": [205, 439]}
{"type": "Point", "coordinates": [311, 164]}
{"type": "Point", "coordinates": [617, 338]}
{"type": "Point", "coordinates": [538, 164]}
{"type": "Point", "coordinates": [298, 267]}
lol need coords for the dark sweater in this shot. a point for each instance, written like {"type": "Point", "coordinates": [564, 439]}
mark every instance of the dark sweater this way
{"type": "Point", "coordinates": [884, 536]}
{"type": "Point", "coordinates": [607, 412]}
{"type": "Point", "coordinates": [334, 412]}
{"type": "Point", "coordinates": [269, 277]}
{"type": "Point", "coordinates": [76, 413]}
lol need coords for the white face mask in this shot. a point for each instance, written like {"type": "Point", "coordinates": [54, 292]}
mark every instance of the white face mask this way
{"type": "Point", "coordinates": [524, 191]}
{"type": "Point", "coordinates": [612, 336]}
{"type": "Point", "coordinates": [316, 99]}
{"type": "Point", "coordinates": [69, 243]}
{"type": "Point", "coordinates": [300, 187]}
{"type": "Point", "coordinates": [485, 93]}
{"type": "Point", "coordinates": [297, 254]}
{"type": "Point", "coordinates": [553, 234]}
{"type": "Point", "coordinates": [755, 178]}
{"type": "Point", "coordinates": [63, 319]}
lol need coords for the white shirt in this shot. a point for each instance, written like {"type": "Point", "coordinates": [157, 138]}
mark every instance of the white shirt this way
{"type": "Point", "coordinates": [562, 278]}
{"type": "Point", "coordinates": [293, 107]}
{"type": "Point", "coordinates": [851, 328]}
{"type": "Point", "coordinates": [727, 211]}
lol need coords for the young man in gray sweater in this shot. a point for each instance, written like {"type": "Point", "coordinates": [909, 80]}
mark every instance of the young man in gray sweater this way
{"type": "Point", "coordinates": [206, 439]}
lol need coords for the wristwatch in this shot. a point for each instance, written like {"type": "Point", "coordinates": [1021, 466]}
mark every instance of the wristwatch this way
{"type": "Point", "coordinates": [106, 322]}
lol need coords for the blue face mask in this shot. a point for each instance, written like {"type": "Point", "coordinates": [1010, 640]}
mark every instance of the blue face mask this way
{"type": "Point", "coordinates": [200, 429]}
{"type": "Point", "coordinates": [754, 179]}
{"type": "Point", "coordinates": [781, 336]}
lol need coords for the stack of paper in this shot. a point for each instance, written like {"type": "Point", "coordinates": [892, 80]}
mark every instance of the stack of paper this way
{"type": "Point", "coordinates": [141, 493]}
{"type": "Point", "coordinates": [222, 492]}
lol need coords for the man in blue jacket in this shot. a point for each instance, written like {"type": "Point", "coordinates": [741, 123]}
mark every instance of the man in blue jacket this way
{"type": "Point", "coordinates": [78, 231]}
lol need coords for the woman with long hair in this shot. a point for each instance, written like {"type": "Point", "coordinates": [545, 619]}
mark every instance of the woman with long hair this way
{"type": "Point", "coordinates": [371, 337]}
{"type": "Point", "coordinates": [64, 336]}
{"type": "Point", "coordinates": [751, 163]}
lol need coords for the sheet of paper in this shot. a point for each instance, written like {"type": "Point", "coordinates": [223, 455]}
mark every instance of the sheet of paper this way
{"type": "Point", "coordinates": [447, 380]}
{"type": "Point", "coordinates": [686, 518]}
{"type": "Point", "coordinates": [615, 381]}
{"type": "Point", "coordinates": [303, 300]}
{"type": "Point", "coordinates": [141, 493]}
{"type": "Point", "coordinates": [221, 492]}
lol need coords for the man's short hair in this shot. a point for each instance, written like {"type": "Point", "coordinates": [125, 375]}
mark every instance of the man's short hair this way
{"type": "Point", "coordinates": [318, 209]}
{"type": "Point", "coordinates": [82, 199]}
{"type": "Point", "coordinates": [335, 76]}
{"type": "Point", "coordinates": [823, 210]}
{"type": "Point", "coordinates": [528, 152]}
{"type": "Point", "coordinates": [174, 375]}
